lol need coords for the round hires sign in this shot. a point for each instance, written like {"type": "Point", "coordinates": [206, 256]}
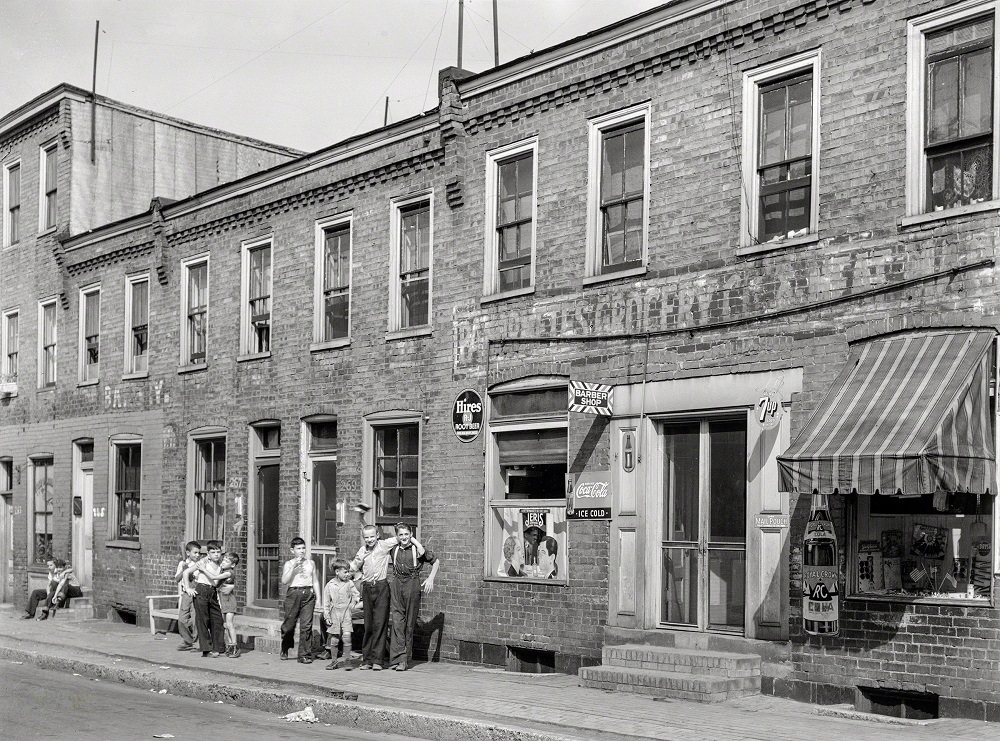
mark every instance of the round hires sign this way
{"type": "Point", "coordinates": [467, 415]}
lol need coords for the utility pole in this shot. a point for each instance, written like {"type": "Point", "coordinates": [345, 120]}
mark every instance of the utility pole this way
{"type": "Point", "coordinates": [461, 22]}
{"type": "Point", "coordinates": [385, 118]}
{"type": "Point", "coordinates": [496, 37]}
{"type": "Point", "coordinates": [93, 100]}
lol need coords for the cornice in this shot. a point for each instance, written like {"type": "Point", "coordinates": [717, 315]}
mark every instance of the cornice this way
{"type": "Point", "coordinates": [118, 255]}
{"type": "Point", "coordinates": [7, 144]}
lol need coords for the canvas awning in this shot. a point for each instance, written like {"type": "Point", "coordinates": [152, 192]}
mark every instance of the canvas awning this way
{"type": "Point", "coordinates": [909, 414]}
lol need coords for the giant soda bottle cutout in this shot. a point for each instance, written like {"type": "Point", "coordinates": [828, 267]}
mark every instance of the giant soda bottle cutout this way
{"type": "Point", "coordinates": [820, 572]}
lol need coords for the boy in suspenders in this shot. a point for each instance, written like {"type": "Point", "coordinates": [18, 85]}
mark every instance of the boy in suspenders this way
{"type": "Point", "coordinates": [405, 589]}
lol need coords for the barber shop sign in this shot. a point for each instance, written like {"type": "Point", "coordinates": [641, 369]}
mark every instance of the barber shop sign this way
{"type": "Point", "coordinates": [467, 415]}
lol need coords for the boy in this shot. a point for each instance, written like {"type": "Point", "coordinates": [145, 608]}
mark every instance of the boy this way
{"type": "Point", "coordinates": [227, 602]}
{"type": "Point", "coordinates": [65, 588]}
{"type": "Point", "coordinates": [341, 597]}
{"type": "Point", "coordinates": [206, 602]}
{"type": "Point", "coordinates": [405, 588]}
{"type": "Point", "coordinates": [185, 603]}
{"type": "Point", "coordinates": [42, 595]}
{"type": "Point", "coordinates": [299, 574]}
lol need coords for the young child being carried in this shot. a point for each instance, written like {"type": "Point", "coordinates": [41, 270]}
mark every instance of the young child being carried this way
{"type": "Point", "coordinates": [227, 601]}
{"type": "Point", "coordinates": [340, 596]}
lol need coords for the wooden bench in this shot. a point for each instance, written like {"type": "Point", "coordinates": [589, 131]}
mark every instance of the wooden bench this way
{"type": "Point", "coordinates": [158, 608]}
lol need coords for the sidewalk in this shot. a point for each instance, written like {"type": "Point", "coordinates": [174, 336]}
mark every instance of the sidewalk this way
{"type": "Point", "coordinates": [433, 701]}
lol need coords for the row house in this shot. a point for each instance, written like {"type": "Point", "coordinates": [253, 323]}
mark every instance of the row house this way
{"type": "Point", "coordinates": [768, 227]}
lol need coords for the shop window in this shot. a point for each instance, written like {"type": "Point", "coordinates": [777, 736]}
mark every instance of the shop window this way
{"type": "Point", "coordinates": [194, 319]}
{"type": "Point", "coordinates": [526, 534]}
{"type": "Point", "coordinates": [951, 144]}
{"type": "Point", "coordinates": [12, 204]}
{"type": "Point", "coordinates": [209, 492]}
{"type": "Point", "coordinates": [42, 496]}
{"type": "Point", "coordinates": [255, 313]}
{"type": "Point", "coordinates": [333, 281]}
{"type": "Point", "coordinates": [9, 339]}
{"type": "Point", "coordinates": [48, 183]}
{"type": "Point", "coordinates": [126, 477]}
{"type": "Point", "coordinates": [47, 343]}
{"type": "Point", "coordinates": [90, 334]}
{"type": "Point", "coordinates": [137, 324]}
{"type": "Point", "coordinates": [510, 218]}
{"type": "Point", "coordinates": [324, 514]}
{"type": "Point", "coordinates": [412, 247]}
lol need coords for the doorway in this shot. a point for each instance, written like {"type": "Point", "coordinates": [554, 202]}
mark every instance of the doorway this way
{"type": "Point", "coordinates": [264, 548]}
{"type": "Point", "coordinates": [703, 525]}
{"type": "Point", "coordinates": [83, 513]}
{"type": "Point", "coordinates": [6, 549]}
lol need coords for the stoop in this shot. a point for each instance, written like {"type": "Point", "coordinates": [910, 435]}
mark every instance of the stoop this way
{"type": "Point", "coordinates": [682, 673]}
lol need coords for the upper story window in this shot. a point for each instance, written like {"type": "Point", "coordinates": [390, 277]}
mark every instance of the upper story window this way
{"type": "Point", "coordinates": [194, 301]}
{"type": "Point", "coordinates": [12, 204]}
{"type": "Point", "coordinates": [90, 333]}
{"type": "Point", "coordinates": [510, 218]}
{"type": "Point", "coordinates": [47, 343]}
{"type": "Point", "coordinates": [952, 152]}
{"type": "Point", "coordinates": [137, 324]}
{"type": "Point", "coordinates": [255, 314]}
{"type": "Point", "coordinates": [333, 280]}
{"type": "Point", "coordinates": [618, 192]}
{"type": "Point", "coordinates": [9, 339]}
{"type": "Point", "coordinates": [781, 151]}
{"type": "Point", "coordinates": [48, 186]}
{"type": "Point", "coordinates": [412, 247]}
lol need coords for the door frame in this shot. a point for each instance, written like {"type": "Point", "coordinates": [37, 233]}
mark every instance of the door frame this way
{"type": "Point", "coordinates": [82, 541]}
{"type": "Point", "coordinates": [258, 456]}
{"type": "Point", "coordinates": [6, 546]}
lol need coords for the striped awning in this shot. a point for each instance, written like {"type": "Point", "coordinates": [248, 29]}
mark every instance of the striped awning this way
{"type": "Point", "coordinates": [908, 415]}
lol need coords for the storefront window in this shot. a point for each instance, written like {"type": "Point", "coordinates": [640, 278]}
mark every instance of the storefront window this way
{"type": "Point", "coordinates": [526, 459]}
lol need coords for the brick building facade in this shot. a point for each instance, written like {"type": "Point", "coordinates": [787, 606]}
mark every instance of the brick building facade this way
{"type": "Point", "coordinates": [704, 206]}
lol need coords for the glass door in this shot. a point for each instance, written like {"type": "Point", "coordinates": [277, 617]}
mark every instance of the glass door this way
{"type": "Point", "coordinates": [267, 549]}
{"type": "Point", "coordinates": [703, 538]}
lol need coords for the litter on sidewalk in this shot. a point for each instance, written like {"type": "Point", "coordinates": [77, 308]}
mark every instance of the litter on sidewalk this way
{"type": "Point", "coordinates": [303, 716]}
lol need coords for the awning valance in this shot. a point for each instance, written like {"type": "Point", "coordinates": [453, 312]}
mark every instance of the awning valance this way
{"type": "Point", "coordinates": [908, 415]}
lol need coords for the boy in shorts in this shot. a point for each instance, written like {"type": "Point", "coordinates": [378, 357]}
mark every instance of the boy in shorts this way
{"type": "Point", "coordinates": [340, 597]}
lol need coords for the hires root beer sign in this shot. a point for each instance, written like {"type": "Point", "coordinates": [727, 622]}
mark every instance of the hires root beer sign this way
{"type": "Point", "coordinates": [588, 496]}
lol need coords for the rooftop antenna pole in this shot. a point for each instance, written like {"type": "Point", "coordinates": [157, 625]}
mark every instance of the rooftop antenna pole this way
{"type": "Point", "coordinates": [93, 100]}
{"type": "Point", "coordinates": [461, 22]}
{"type": "Point", "coordinates": [496, 37]}
{"type": "Point", "coordinates": [385, 118]}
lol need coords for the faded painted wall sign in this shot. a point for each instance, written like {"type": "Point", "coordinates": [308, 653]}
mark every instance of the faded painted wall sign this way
{"type": "Point", "coordinates": [136, 395]}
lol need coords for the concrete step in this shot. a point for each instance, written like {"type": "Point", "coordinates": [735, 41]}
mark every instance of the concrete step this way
{"type": "Point", "coordinates": [682, 660]}
{"type": "Point", "coordinates": [667, 684]}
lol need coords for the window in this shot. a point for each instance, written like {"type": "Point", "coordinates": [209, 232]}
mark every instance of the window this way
{"type": "Point", "coordinates": [42, 496]}
{"type": "Point", "coordinates": [409, 303]}
{"type": "Point", "coordinates": [126, 475]}
{"type": "Point", "coordinates": [12, 204]}
{"type": "Point", "coordinates": [526, 481]}
{"type": "Point", "coordinates": [255, 317]}
{"type": "Point", "coordinates": [393, 467]}
{"type": "Point", "coordinates": [209, 488]}
{"type": "Point", "coordinates": [137, 325]}
{"type": "Point", "coordinates": [90, 333]}
{"type": "Point", "coordinates": [48, 178]}
{"type": "Point", "coordinates": [780, 152]}
{"type": "Point", "coordinates": [618, 193]}
{"type": "Point", "coordinates": [9, 338]}
{"type": "Point", "coordinates": [325, 513]}
{"type": "Point", "coordinates": [510, 218]}
{"type": "Point", "coordinates": [951, 108]}
{"type": "Point", "coordinates": [194, 316]}
{"type": "Point", "coordinates": [47, 343]}
{"type": "Point", "coordinates": [333, 280]}
{"type": "Point", "coordinates": [6, 476]}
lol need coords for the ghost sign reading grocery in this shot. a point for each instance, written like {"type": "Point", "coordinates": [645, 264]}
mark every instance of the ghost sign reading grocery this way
{"type": "Point", "coordinates": [467, 415]}
{"type": "Point", "coordinates": [590, 398]}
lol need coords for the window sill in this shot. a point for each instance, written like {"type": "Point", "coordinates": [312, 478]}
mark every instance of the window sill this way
{"type": "Point", "coordinates": [127, 545]}
{"type": "Point", "coordinates": [45, 389]}
{"type": "Point", "coordinates": [192, 368]}
{"type": "Point", "coordinates": [951, 213]}
{"type": "Point", "coordinates": [617, 275]}
{"type": "Point", "coordinates": [526, 580]}
{"type": "Point", "coordinates": [135, 376]}
{"type": "Point", "coordinates": [493, 297]}
{"type": "Point", "coordinates": [959, 600]}
{"type": "Point", "coordinates": [757, 249]}
{"type": "Point", "coordinates": [47, 230]}
{"type": "Point", "coordinates": [84, 384]}
{"type": "Point", "coordinates": [409, 332]}
{"type": "Point", "coordinates": [253, 356]}
{"type": "Point", "coordinates": [330, 344]}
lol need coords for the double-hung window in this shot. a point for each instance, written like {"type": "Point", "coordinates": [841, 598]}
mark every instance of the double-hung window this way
{"type": "Point", "coordinates": [42, 497]}
{"type": "Point", "coordinates": [209, 488]}
{"type": "Point", "coordinates": [412, 246]}
{"type": "Point", "coordinates": [255, 316]}
{"type": "Point", "coordinates": [47, 343]}
{"type": "Point", "coordinates": [618, 192]}
{"type": "Point", "coordinates": [510, 218]}
{"type": "Point", "coordinates": [9, 339]}
{"type": "Point", "coordinates": [194, 311]}
{"type": "Point", "coordinates": [48, 186]}
{"type": "Point", "coordinates": [780, 152]}
{"type": "Point", "coordinates": [90, 333]}
{"type": "Point", "coordinates": [12, 204]}
{"type": "Point", "coordinates": [952, 154]}
{"type": "Point", "coordinates": [126, 484]}
{"type": "Point", "coordinates": [332, 309]}
{"type": "Point", "coordinates": [137, 324]}
{"type": "Point", "coordinates": [394, 468]}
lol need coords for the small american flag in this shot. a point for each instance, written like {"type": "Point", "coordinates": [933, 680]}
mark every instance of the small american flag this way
{"type": "Point", "coordinates": [949, 580]}
{"type": "Point", "coordinates": [918, 573]}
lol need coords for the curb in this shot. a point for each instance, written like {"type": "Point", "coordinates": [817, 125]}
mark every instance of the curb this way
{"type": "Point", "coordinates": [343, 713]}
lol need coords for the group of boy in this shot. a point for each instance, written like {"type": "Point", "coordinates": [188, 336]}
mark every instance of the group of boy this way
{"type": "Point", "coordinates": [207, 605]}
{"type": "Point", "coordinates": [60, 588]}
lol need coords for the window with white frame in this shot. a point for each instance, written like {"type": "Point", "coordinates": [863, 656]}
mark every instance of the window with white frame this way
{"type": "Point", "coordinates": [780, 151]}
{"type": "Point", "coordinates": [137, 324]}
{"type": "Point", "coordinates": [255, 310]}
{"type": "Point", "coordinates": [194, 311]}
{"type": "Point", "coordinates": [526, 466]}
{"type": "Point", "coordinates": [511, 177]}
{"type": "Point", "coordinates": [207, 470]}
{"type": "Point", "coordinates": [9, 341]}
{"type": "Point", "coordinates": [90, 333]}
{"type": "Point", "coordinates": [333, 280]}
{"type": "Point", "coordinates": [47, 343]}
{"type": "Point", "coordinates": [48, 186]}
{"type": "Point", "coordinates": [392, 467]}
{"type": "Point", "coordinates": [618, 191]}
{"type": "Point", "coordinates": [126, 487]}
{"type": "Point", "coordinates": [952, 107]}
{"type": "Point", "coordinates": [42, 498]}
{"type": "Point", "coordinates": [412, 247]}
{"type": "Point", "coordinates": [12, 204]}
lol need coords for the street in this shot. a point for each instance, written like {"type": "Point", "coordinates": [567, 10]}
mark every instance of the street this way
{"type": "Point", "coordinates": [38, 704]}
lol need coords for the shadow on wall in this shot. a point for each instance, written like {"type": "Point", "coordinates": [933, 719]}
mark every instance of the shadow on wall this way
{"type": "Point", "coordinates": [422, 638]}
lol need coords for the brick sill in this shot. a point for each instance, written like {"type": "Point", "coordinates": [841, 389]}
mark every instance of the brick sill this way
{"type": "Point", "coordinates": [759, 249]}
{"type": "Point", "coordinates": [616, 275]}
{"type": "Point", "coordinates": [84, 384]}
{"type": "Point", "coordinates": [493, 297]}
{"type": "Point", "coordinates": [913, 600]}
{"type": "Point", "coordinates": [525, 580]}
{"type": "Point", "coordinates": [135, 376]}
{"type": "Point", "coordinates": [330, 344]}
{"type": "Point", "coordinates": [192, 368]}
{"type": "Point", "coordinates": [409, 333]}
{"type": "Point", "coordinates": [950, 213]}
{"type": "Point", "coordinates": [252, 356]}
{"type": "Point", "coordinates": [128, 545]}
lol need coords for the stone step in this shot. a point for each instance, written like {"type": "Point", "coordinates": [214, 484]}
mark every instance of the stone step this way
{"type": "Point", "coordinates": [666, 684]}
{"type": "Point", "coordinates": [682, 660]}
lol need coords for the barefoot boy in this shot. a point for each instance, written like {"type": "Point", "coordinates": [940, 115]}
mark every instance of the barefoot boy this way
{"type": "Point", "coordinates": [340, 596]}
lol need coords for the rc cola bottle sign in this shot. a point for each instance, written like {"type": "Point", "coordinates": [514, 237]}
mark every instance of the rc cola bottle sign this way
{"type": "Point", "coordinates": [820, 572]}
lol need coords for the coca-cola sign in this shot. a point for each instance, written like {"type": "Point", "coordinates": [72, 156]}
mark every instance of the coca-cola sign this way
{"type": "Point", "coordinates": [588, 496]}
